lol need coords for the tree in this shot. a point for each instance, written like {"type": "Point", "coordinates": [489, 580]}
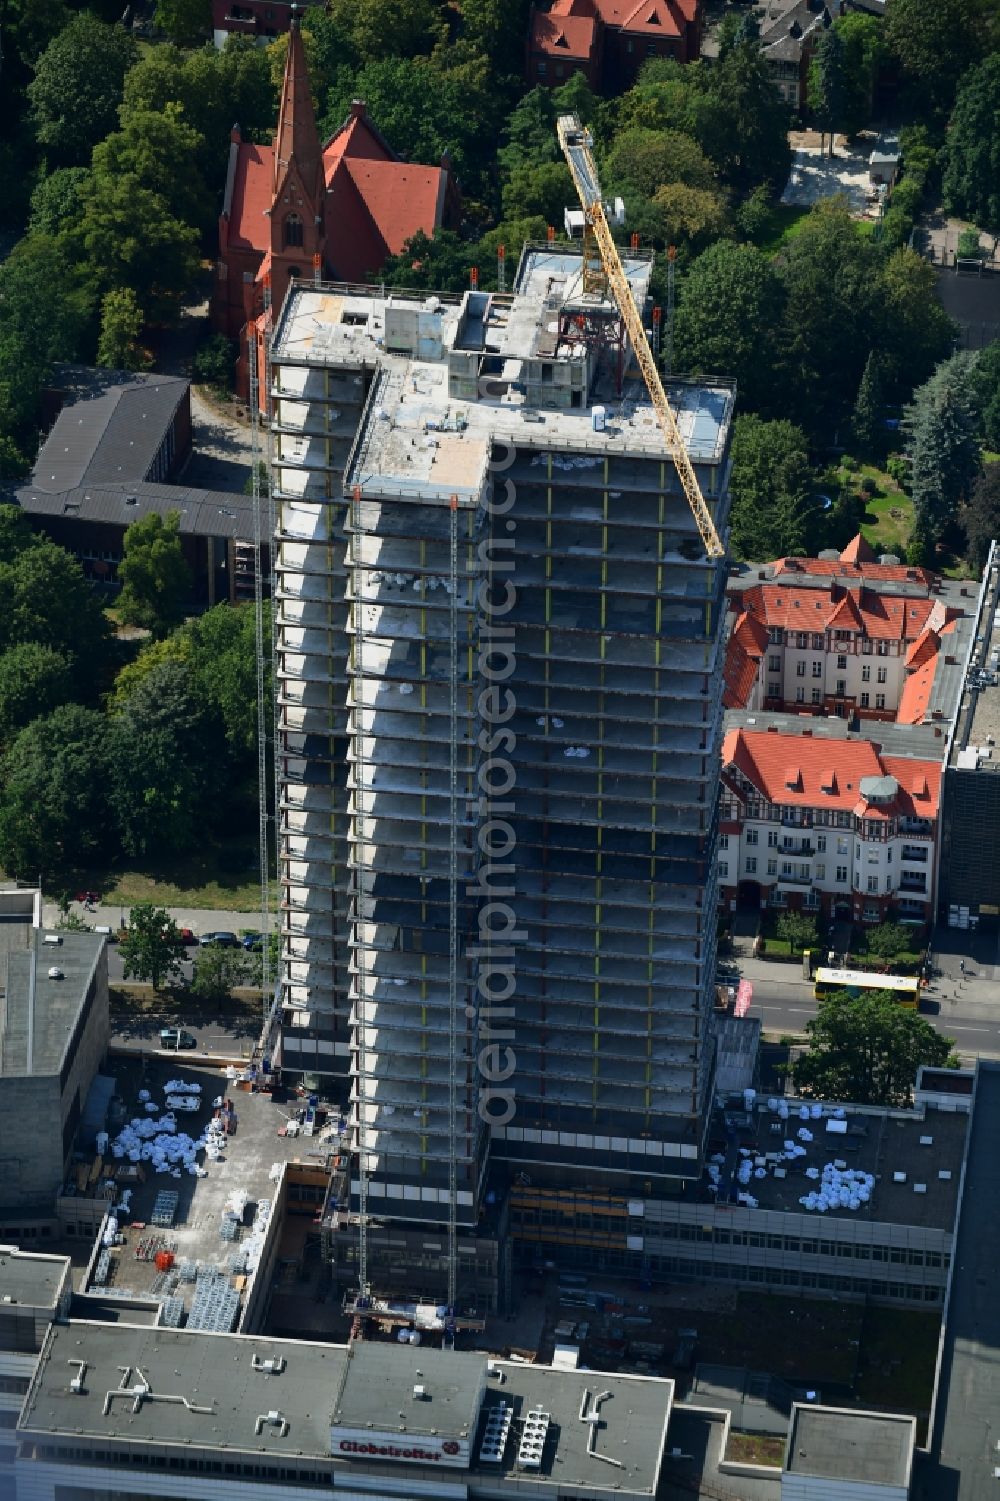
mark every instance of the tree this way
{"type": "Point", "coordinates": [770, 485]}
{"type": "Point", "coordinates": [545, 190]}
{"type": "Point", "coordinates": [497, 28]}
{"type": "Point", "coordinates": [728, 309]}
{"type": "Point", "coordinates": [53, 809]}
{"type": "Point", "coordinates": [887, 940]}
{"type": "Point", "coordinates": [798, 930]}
{"type": "Point", "coordinates": [217, 972]}
{"type": "Point", "coordinates": [832, 303]}
{"type": "Point", "coordinates": [915, 331]}
{"type": "Point", "coordinates": [746, 133]}
{"type": "Point", "coordinates": [151, 949]}
{"type": "Point", "coordinates": [689, 217]}
{"type": "Point", "coordinates": [78, 85]}
{"type": "Point", "coordinates": [16, 535]}
{"type": "Point", "coordinates": [118, 347]}
{"type": "Point", "coordinates": [157, 150]}
{"type": "Point", "coordinates": [14, 463]}
{"type": "Point", "coordinates": [865, 48]}
{"type": "Point", "coordinates": [154, 575]}
{"type": "Point", "coordinates": [971, 178]}
{"type": "Point", "coordinates": [43, 316]}
{"type": "Point", "coordinates": [381, 28]}
{"type": "Point", "coordinates": [981, 517]}
{"type": "Point", "coordinates": [133, 240]}
{"type": "Point", "coordinates": [47, 600]}
{"type": "Point", "coordinates": [942, 428]}
{"type": "Point", "coordinates": [868, 422]}
{"type": "Point", "coordinates": [985, 378]}
{"type": "Point", "coordinates": [34, 680]}
{"type": "Point", "coordinates": [186, 22]}
{"type": "Point", "coordinates": [646, 159]}
{"type": "Point", "coordinates": [867, 1050]}
{"type": "Point", "coordinates": [829, 82]}
{"type": "Point", "coordinates": [935, 43]}
{"type": "Point", "coordinates": [57, 200]}
{"type": "Point", "coordinates": [166, 763]}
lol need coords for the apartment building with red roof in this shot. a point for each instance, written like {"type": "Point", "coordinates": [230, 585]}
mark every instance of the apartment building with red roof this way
{"type": "Point", "coordinates": [845, 634]}
{"type": "Point", "coordinates": [608, 40]}
{"type": "Point", "coordinates": [827, 825]}
{"type": "Point", "coordinates": [298, 207]}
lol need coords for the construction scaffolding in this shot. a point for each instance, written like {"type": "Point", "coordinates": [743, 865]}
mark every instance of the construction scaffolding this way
{"type": "Point", "coordinates": [614, 642]}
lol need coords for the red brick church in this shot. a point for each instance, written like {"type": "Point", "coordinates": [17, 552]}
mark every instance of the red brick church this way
{"type": "Point", "coordinates": [351, 203]}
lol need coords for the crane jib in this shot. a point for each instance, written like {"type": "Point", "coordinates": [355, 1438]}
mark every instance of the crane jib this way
{"type": "Point", "coordinates": [576, 143]}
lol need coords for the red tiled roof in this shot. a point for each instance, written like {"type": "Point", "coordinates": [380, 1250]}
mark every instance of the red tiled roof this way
{"type": "Point", "coordinates": [881, 616]}
{"type": "Point", "coordinates": [375, 203]}
{"type": "Point", "coordinates": [858, 550]}
{"type": "Point", "coordinates": [647, 17]}
{"type": "Point", "coordinates": [924, 648]}
{"type": "Point", "coordinates": [810, 771]}
{"type": "Point", "coordinates": [887, 573]}
{"type": "Point", "coordinates": [249, 226]}
{"type": "Point", "coordinates": [560, 35]}
{"type": "Point", "coordinates": [747, 645]}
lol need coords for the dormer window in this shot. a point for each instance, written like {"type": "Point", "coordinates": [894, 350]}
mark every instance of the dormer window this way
{"type": "Point", "coordinates": [293, 230]}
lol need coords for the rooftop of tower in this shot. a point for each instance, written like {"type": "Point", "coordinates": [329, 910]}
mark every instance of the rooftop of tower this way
{"type": "Point", "coordinates": [454, 375]}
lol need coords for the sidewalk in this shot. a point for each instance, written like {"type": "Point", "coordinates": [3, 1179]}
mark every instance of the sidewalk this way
{"type": "Point", "coordinates": [198, 919]}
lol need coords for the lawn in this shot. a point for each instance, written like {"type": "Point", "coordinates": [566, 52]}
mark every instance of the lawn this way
{"type": "Point", "coordinates": [223, 876]}
{"type": "Point", "coordinates": [888, 518]}
{"type": "Point", "coordinates": [784, 223]}
{"type": "Point", "coordinates": [756, 1449]}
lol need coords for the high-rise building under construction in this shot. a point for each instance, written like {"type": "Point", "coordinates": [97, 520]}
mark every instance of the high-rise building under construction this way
{"type": "Point", "coordinates": [499, 676]}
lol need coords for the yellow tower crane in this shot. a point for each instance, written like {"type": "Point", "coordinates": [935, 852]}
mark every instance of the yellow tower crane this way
{"type": "Point", "coordinates": [599, 246]}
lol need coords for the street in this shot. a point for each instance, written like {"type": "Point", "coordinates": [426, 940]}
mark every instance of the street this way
{"type": "Point", "coordinates": [964, 1009]}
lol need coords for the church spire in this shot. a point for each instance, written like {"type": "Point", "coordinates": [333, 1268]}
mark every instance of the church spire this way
{"type": "Point", "coordinates": [297, 139]}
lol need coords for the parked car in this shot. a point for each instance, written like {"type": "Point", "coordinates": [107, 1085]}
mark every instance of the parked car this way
{"type": "Point", "coordinates": [253, 941]}
{"type": "Point", "coordinates": [106, 931]}
{"type": "Point", "coordinates": [223, 939]}
{"type": "Point", "coordinates": [188, 936]}
{"type": "Point", "coordinates": [176, 1037]}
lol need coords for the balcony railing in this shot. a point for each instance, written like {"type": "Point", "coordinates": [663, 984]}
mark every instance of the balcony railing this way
{"type": "Point", "coordinates": [917, 856]}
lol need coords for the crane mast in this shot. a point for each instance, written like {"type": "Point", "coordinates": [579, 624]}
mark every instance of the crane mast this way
{"type": "Point", "coordinates": [577, 146]}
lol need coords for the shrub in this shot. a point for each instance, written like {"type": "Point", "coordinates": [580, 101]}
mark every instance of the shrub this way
{"type": "Point", "coordinates": [214, 362]}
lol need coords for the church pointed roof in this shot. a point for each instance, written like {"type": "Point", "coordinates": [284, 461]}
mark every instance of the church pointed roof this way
{"type": "Point", "coordinates": [296, 140]}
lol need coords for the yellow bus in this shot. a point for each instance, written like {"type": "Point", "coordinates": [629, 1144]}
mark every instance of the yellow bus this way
{"type": "Point", "coordinates": [859, 982]}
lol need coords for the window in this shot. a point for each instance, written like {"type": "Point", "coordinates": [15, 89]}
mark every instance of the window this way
{"type": "Point", "coordinates": [843, 845]}
{"type": "Point", "coordinates": [866, 648]}
{"type": "Point", "coordinates": [723, 870]}
{"type": "Point", "coordinates": [751, 865]}
{"type": "Point", "coordinates": [865, 700]}
{"type": "Point", "coordinates": [820, 871]}
{"type": "Point", "coordinates": [800, 695]}
{"type": "Point", "coordinates": [751, 836]}
{"type": "Point", "coordinates": [866, 673]}
{"type": "Point", "coordinates": [873, 885]}
{"type": "Point", "coordinates": [786, 868]}
{"type": "Point", "coordinates": [817, 695]}
{"type": "Point", "coordinates": [817, 669]}
{"type": "Point", "coordinates": [842, 664]}
{"type": "Point", "coordinates": [821, 843]}
{"type": "Point", "coordinates": [772, 839]}
{"type": "Point", "coordinates": [817, 641]}
{"type": "Point", "coordinates": [882, 674]}
{"type": "Point", "coordinates": [801, 640]}
{"type": "Point", "coordinates": [841, 875]}
{"type": "Point", "coordinates": [873, 857]}
{"type": "Point", "coordinates": [882, 648]}
{"type": "Point", "coordinates": [542, 70]}
{"type": "Point", "coordinates": [870, 913]}
{"type": "Point", "coordinates": [723, 841]}
{"type": "Point", "coordinates": [841, 687]}
{"type": "Point", "coordinates": [800, 669]}
{"type": "Point", "coordinates": [880, 700]}
{"type": "Point", "coordinates": [293, 230]}
{"type": "Point", "coordinates": [774, 664]}
{"type": "Point", "coordinates": [772, 867]}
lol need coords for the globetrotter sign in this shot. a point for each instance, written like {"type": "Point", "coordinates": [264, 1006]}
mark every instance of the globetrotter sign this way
{"type": "Point", "coordinates": [357, 1443]}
